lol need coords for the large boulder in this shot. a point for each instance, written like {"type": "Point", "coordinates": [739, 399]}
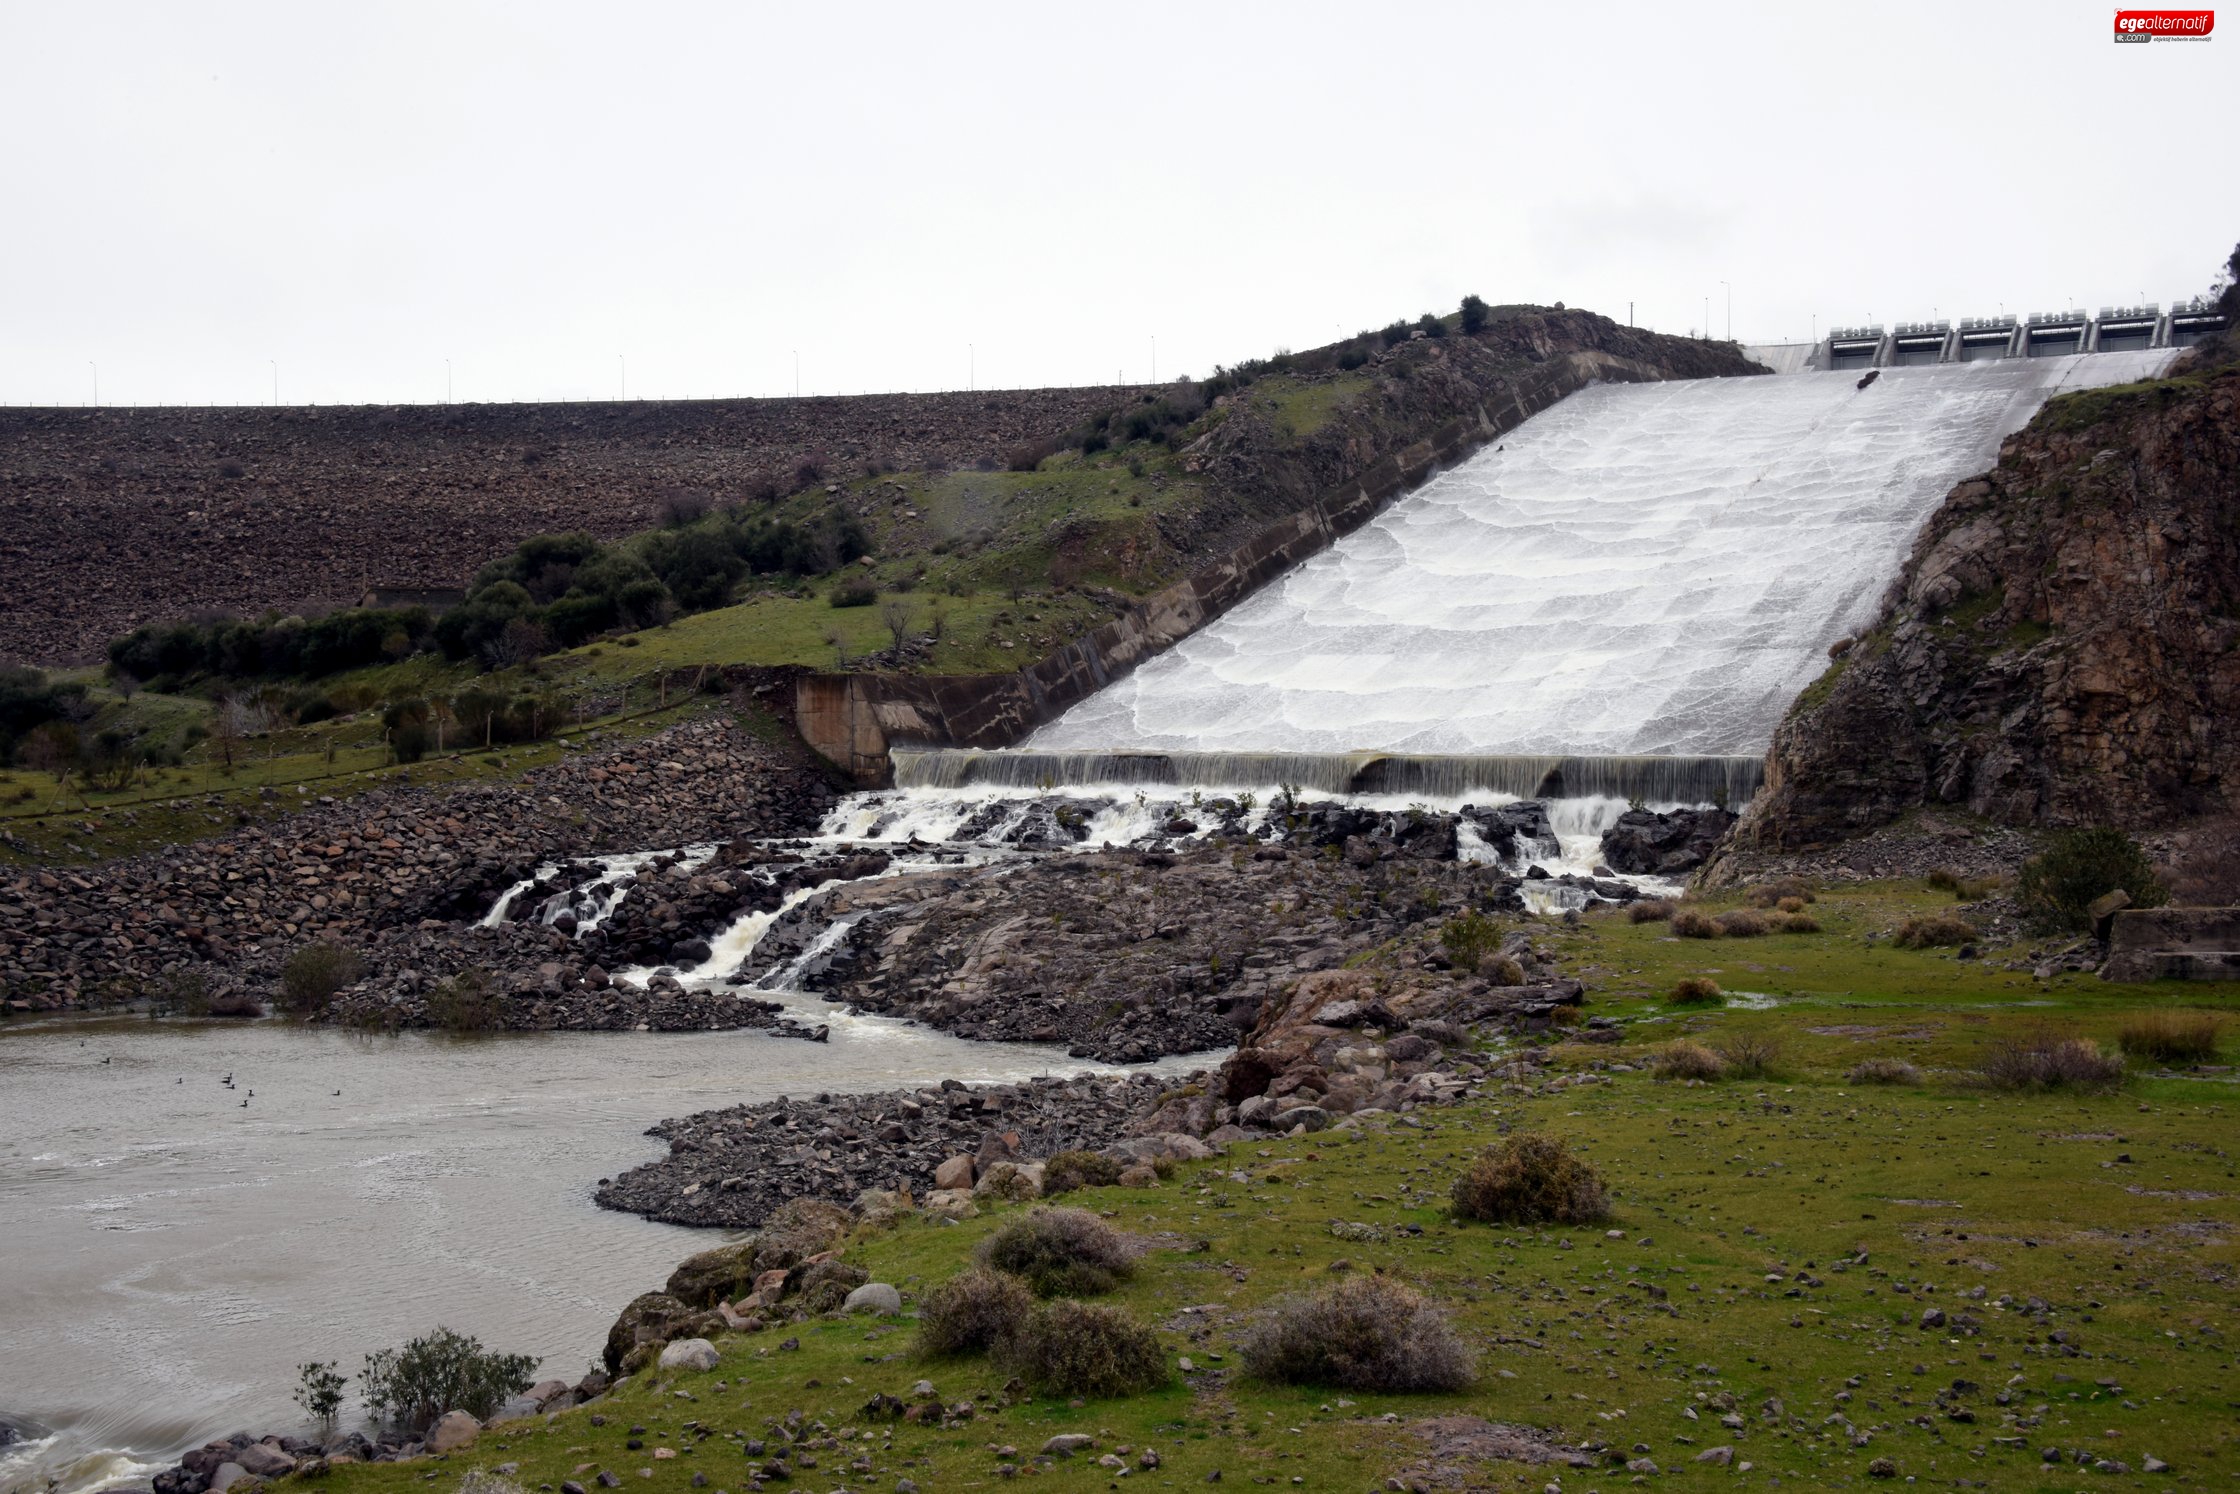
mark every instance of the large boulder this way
{"type": "Point", "coordinates": [453, 1430]}
{"type": "Point", "coordinates": [717, 1275]}
{"type": "Point", "coordinates": [264, 1460]}
{"type": "Point", "coordinates": [651, 1318]}
{"type": "Point", "coordinates": [874, 1297]}
{"type": "Point", "coordinates": [690, 1354]}
{"type": "Point", "coordinates": [824, 1285]}
{"type": "Point", "coordinates": [800, 1228]}
{"type": "Point", "coordinates": [1643, 843]}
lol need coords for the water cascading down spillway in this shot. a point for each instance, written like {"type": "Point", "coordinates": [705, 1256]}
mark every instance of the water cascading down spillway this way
{"type": "Point", "coordinates": [1621, 598]}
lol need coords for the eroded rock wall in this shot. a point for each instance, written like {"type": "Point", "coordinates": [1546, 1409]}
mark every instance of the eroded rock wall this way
{"type": "Point", "coordinates": [2062, 647]}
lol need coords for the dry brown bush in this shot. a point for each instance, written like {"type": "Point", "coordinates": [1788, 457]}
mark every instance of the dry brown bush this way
{"type": "Point", "coordinates": [1790, 905]}
{"type": "Point", "coordinates": [1683, 1059]}
{"type": "Point", "coordinates": [1061, 1252]}
{"type": "Point", "coordinates": [1883, 1071]}
{"type": "Point", "coordinates": [1649, 910]}
{"type": "Point", "coordinates": [1075, 1348]}
{"type": "Point", "coordinates": [1934, 930]}
{"type": "Point", "coordinates": [2048, 1060]}
{"type": "Point", "coordinates": [1529, 1179]}
{"type": "Point", "coordinates": [1741, 923]}
{"type": "Point", "coordinates": [1364, 1333]}
{"type": "Point", "coordinates": [1749, 1055]}
{"type": "Point", "coordinates": [1502, 970]}
{"type": "Point", "coordinates": [1797, 923]}
{"type": "Point", "coordinates": [1689, 924]}
{"type": "Point", "coordinates": [2171, 1036]}
{"type": "Point", "coordinates": [971, 1311]}
{"type": "Point", "coordinates": [1770, 894]}
{"type": "Point", "coordinates": [1078, 1169]}
{"type": "Point", "coordinates": [1695, 990]}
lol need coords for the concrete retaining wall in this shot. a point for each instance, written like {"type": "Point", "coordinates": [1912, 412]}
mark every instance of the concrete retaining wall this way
{"type": "Point", "coordinates": [853, 718]}
{"type": "Point", "coordinates": [2174, 944]}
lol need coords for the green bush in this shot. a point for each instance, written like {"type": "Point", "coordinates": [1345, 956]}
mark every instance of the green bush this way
{"type": "Point", "coordinates": [441, 1371]}
{"type": "Point", "coordinates": [1077, 1169]}
{"type": "Point", "coordinates": [1473, 315]}
{"type": "Point", "coordinates": [972, 1311]}
{"type": "Point", "coordinates": [1061, 1252]}
{"type": "Point", "coordinates": [853, 592]}
{"type": "Point", "coordinates": [1529, 1179]}
{"type": "Point", "coordinates": [2078, 867]}
{"type": "Point", "coordinates": [314, 973]}
{"type": "Point", "coordinates": [1364, 1333]}
{"type": "Point", "coordinates": [1075, 1348]}
{"type": "Point", "coordinates": [1470, 940]}
{"type": "Point", "coordinates": [468, 1002]}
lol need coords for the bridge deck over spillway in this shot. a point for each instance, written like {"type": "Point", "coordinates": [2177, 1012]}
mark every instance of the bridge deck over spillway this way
{"type": "Point", "coordinates": [1640, 570]}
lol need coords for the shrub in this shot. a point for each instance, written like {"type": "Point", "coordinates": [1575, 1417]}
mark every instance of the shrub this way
{"type": "Point", "coordinates": [1965, 888]}
{"type": "Point", "coordinates": [1741, 923]}
{"type": "Point", "coordinates": [411, 742]}
{"type": "Point", "coordinates": [1772, 894]}
{"type": "Point", "coordinates": [2171, 1036]}
{"type": "Point", "coordinates": [1061, 1252]}
{"type": "Point", "coordinates": [441, 1371]}
{"type": "Point", "coordinates": [1749, 1055]}
{"type": "Point", "coordinates": [1473, 315]}
{"type": "Point", "coordinates": [2048, 1060]}
{"type": "Point", "coordinates": [1529, 1179]}
{"type": "Point", "coordinates": [1503, 970]}
{"type": "Point", "coordinates": [1077, 1169]}
{"type": "Point", "coordinates": [1797, 923]}
{"type": "Point", "coordinates": [1649, 910]}
{"type": "Point", "coordinates": [233, 1004]}
{"type": "Point", "coordinates": [314, 973]}
{"type": "Point", "coordinates": [2079, 866]}
{"type": "Point", "coordinates": [1934, 930]}
{"type": "Point", "coordinates": [1470, 940]}
{"type": "Point", "coordinates": [468, 1002]}
{"type": "Point", "coordinates": [1790, 905]}
{"type": "Point", "coordinates": [1363, 1333]}
{"type": "Point", "coordinates": [1683, 1059]}
{"type": "Point", "coordinates": [319, 1391]}
{"type": "Point", "coordinates": [853, 592]}
{"type": "Point", "coordinates": [971, 1311]}
{"type": "Point", "coordinates": [1698, 990]}
{"type": "Point", "coordinates": [1690, 924]}
{"type": "Point", "coordinates": [1075, 1348]}
{"type": "Point", "coordinates": [1883, 1071]}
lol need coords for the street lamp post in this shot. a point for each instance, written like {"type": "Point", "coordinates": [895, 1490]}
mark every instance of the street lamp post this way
{"type": "Point", "coordinates": [1730, 309]}
{"type": "Point", "coordinates": [96, 382]}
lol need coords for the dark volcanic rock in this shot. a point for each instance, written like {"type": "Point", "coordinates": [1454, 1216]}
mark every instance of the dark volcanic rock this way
{"type": "Point", "coordinates": [1643, 843]}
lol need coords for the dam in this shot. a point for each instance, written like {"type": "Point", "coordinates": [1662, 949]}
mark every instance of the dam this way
{"type": "Point", "coordinates": [1628, 590]}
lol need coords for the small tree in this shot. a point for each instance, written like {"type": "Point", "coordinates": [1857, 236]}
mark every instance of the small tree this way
{"type": "Point", "coordinates": [314, 973]}
{"type": "Point", "coordinates": [897, 614]}
{"type": "Point", "coordinates": [319, 1391]}
{"type": "Point", "coordinates": [441, 1371]}
{"type": "Point", "coordinates": [1473, 315]}
{"type": "Point", "coordinates": [2078, 866]}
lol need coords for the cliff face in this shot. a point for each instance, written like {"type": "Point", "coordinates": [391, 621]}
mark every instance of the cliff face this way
{"type": "Point", "coordinates": [2062, 647]}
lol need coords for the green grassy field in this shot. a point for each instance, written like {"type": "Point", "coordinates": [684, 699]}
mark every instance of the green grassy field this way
{"type": "Point", "coordinates": [1761, 1285]}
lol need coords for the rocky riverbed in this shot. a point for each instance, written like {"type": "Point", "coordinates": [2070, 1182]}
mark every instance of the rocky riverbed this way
{"type": "Point", "coordinates": [397, 874]}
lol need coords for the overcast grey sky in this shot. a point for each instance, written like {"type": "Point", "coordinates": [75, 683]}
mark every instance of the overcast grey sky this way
{"type": "Point", "coordinates": [193, 193]}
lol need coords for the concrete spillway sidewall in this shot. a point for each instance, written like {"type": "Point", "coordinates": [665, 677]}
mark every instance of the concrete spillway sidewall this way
{"type": "Point", "coordinates": [854, 719]}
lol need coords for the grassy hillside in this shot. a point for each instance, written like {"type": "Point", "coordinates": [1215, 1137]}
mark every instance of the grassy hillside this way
{"type": "Point", "coordinates": [1761, 1285]}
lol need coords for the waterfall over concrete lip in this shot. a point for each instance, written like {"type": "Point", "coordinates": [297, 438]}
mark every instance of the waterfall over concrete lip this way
{"type": "Point", "coordinates": [1449, 777]}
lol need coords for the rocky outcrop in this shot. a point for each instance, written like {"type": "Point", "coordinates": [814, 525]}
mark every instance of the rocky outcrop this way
{"type": "Point", "coordinates": [2062, 647]}
{"type": "Point", "coordinates": [110, 518]}
{"type": "Point", "coordinates": [1645, 843]}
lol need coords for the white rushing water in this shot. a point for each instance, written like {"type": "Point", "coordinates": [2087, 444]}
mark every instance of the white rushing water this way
{"type": "Point", "coordinates": [1640, 569]}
